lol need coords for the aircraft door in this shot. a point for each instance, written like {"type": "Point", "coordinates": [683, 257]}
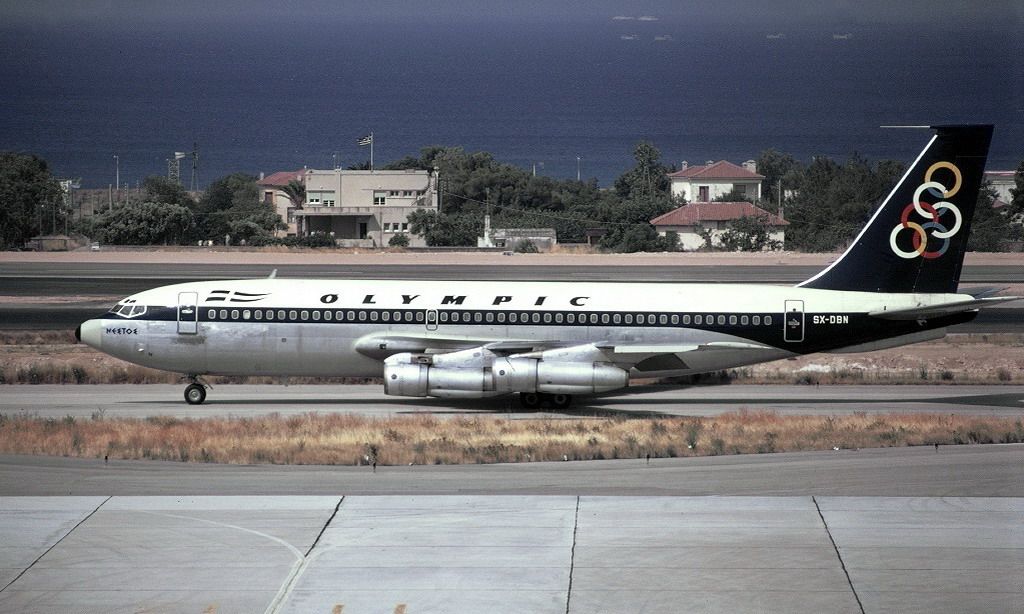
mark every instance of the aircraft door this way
{"type": "Point", "coordinates": [431, 319]}
{"type": "Point", "coordinates": [793, 322]}
{"type": "Point", "coordinates": [188, 313]}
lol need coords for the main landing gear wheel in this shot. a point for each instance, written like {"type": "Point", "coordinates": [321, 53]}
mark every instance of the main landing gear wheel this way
{"type": "Point", "coordinates": [195, 394]}
{"type": "Point", "coordinates": [534, 400]}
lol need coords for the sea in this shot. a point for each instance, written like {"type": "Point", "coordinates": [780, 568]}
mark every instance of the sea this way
{"type": "Point", "coordinates": [563, 98]}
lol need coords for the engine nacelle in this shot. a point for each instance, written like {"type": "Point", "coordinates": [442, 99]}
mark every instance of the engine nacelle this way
{"type": "Point", "coordinates": [416, 376]}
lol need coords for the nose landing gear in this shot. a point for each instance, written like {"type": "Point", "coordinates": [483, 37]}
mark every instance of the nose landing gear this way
{"type": "Point", "coordinates": [195, 393]}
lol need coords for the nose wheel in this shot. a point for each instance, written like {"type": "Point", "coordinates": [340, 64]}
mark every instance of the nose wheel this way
{"type": "Point", "coordinates": [195, 394]}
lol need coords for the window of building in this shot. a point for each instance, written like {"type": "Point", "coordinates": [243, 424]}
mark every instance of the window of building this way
{"type": "Point", "coordinates": [393, 193]}
{"type": "Point", "coordinates": [380, 198]}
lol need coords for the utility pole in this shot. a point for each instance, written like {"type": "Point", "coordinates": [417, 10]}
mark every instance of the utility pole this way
{"type": "Point", "coordinates": [578, 168]}
{"type": "Point", "coordinates": [117, 174]}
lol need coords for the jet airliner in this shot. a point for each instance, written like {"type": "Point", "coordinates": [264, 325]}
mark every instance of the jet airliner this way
{"type": "Point", "coordinates": [897, 283]}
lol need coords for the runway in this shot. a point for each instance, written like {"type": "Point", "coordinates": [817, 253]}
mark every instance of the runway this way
{"type": "Point", "coordinates": [125, 400]}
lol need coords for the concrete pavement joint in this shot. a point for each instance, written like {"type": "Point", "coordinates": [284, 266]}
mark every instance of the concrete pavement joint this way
{"type": "Point", "coordinates": [838, 555]}
{"type": "Point", "coordinates": [572, 554]}
{"type": "Point", "coordinates": [326, 524]}
{"type": "Point", "coordinates": [38, 558]}
{"type": "Point", "coordinates": [296, 572]}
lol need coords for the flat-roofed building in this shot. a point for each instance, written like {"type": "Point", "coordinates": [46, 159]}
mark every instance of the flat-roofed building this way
{"type": "Point", "coordinates": [272, 191]}
{"type": "Point", "coordinates": [366, 208]}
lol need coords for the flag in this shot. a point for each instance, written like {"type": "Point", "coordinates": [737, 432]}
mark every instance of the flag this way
{"type": "Point", "coordinates": [367, 140]}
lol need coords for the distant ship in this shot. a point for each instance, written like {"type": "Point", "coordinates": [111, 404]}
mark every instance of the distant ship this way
{"type": "Point", "coordinates": [647, 18]}
{"type": "Point", "coordinates": [663, 37]}
{"type": "Point", "coordinates": [842, 37]}
{"type": "Point", "coordinates": [629, 37]}
{"type": "Point", "coordinates": [775, 37]}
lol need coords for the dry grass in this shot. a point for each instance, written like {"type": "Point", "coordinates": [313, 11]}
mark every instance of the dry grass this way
{"type": "Point", "coordinates": [333, 439]}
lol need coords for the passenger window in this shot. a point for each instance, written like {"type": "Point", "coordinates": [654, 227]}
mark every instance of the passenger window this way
{"type": "Point", "coordinates": [513, 317]}
{"type": "Point", "coordinates": [757, 320]}
{"type": "Point", "coordinates": [698, 319]}
{"type": "Point", "coordinates": [675, 318]}
{"type": "Point", "coordinates": [767, 320]}
{"type": "Point", "coordinates": [478, 317]}
{"type": "Point", "coordinates": [293, 315]}
{"type": "Point", "coordinates": [547, 318]}
{"type": "Point", "coordinates": [604, 318]}
{"type": "Point", "coordinates": [744, 320]}
{"type": "Point", "coordinates": [629, 318]}
{"type": "Point", "coordinates": [455, 316]}
{"type": "Point", "coordinates": [246, 314]}
{"type": "Point", "coordinates": [663, 319]}
{"type": "Point", "coordinates": [339, 315]}
{"type": "Point", "coordinates": [721, 320]}
{"type": "Point", "coordinates": [732, 320]}
{"type": "Point", "coordinates": [710, 320]}
{"type": "Point", "coordinates": [593, 318]}
{"type": "Point", "coordinates": [374, 316]}
{"type": "Point", "coordinates": [490, 316]}
{"type": "Point", "coordinates": [686, 319]}
{"type": "Point", "coordinates": [350, 316]}
{"type": "Point", "coordinates": [386, 316]}
{"type": "Point", "coordinates": [650, 319]}
{"type": "Point", "coordinates": [408, 316]}
{"type": "Point", "coordinates": [362, 316]}
{"type": "Point", "coordinates": [305, 315]}
{"type": "Point", "coordinates": [315, 314]}
{"type": "Point", "coordinates": [465, 316]}
{"type": "Point", "coordinates": [212, 314]}
{"type": "Point", "coordinates": [559, 317]}
{"type": "Point", "coordinates": [617, 318]}
{"type": "Point", "coordinates": [280, 314]}
{"type": "Point", "coordinates": [419, 316]}
{"type": "Point", "coordinates": [328, 315]}
{"type": "Point", "coordinates": [536, 318]}
{"type": "Point", "coordinates": [258, 314]}
{"type": "Point", "coordinates": [444, 316]}
{"type": "Point", "coordinates": [501, 317]}
{"type": "Point", "coordinates": [223, 314]}
{"type": "Point", "coordinates": [570, 318]}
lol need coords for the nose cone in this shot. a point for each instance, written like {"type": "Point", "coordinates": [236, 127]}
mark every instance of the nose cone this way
{"type": "Point", "coordinates": [90, 333]}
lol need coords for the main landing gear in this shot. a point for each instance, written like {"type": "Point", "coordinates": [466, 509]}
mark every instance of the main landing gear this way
{"type": "Point", "coordinates": [195, 393]}
{"type": "Point", "coordinates": [536, 400]}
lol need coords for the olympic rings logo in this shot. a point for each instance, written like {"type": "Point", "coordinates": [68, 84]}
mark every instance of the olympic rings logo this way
{"type": "Point", "coordinates": [932, 213]}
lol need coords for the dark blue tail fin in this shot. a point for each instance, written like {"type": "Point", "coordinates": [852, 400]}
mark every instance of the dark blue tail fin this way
{"type": "Point", "coordinates": [916, 240]}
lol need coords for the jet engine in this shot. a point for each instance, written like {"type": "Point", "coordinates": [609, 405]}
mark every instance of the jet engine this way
{"type": "Point", "coordinates": [479, 372]}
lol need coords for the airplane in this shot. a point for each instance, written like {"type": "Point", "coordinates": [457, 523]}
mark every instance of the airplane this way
{"type": "Point", "coordinates": [896, 284]}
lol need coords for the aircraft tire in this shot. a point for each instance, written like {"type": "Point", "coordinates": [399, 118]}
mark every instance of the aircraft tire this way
{"type": "Point", "coordinates": [195, 394]}
{"type": "Point", "coordinates": [530, 400]}
{"type": "Point", "coordinates": [560, 401]}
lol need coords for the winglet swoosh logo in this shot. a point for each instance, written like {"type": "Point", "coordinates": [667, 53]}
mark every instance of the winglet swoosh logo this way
{"type": "Point", "coordinates": [234, 296]}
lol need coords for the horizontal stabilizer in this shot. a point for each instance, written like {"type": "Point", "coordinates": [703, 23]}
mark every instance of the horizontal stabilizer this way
{"type": "Point", "coordinates": [943, 309]}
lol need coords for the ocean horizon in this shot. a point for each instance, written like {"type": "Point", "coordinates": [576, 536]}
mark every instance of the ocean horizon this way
{"type": "Point", "coordinates": [533, 94]}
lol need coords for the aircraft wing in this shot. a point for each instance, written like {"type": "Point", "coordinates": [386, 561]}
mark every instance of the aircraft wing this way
{"type": "Point", "coordinates": [383, 345]}
{"type": "Point", "coordinates": [678, 357]}
{"type": "Point", "coordinates": [942, 309]}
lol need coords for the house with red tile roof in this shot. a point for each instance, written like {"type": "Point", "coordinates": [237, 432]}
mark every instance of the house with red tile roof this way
{"type": "Point", "coordinates": [271, 191]}
{"type": "Point", "coordinates": [689, 221]}
{"type": "Point", "coordinates": [707, 182]}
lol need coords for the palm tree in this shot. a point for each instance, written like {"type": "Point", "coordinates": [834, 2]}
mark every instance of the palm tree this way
{"type": "Point", "coordinates": [296, 193]}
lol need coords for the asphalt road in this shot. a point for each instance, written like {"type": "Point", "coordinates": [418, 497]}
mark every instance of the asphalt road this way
{"type": "Point", "coordinates": [128, 400]}
{"type": "Point", "coordinates": [952, 471]}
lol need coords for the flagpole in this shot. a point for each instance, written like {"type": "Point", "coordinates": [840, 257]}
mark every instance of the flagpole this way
{"type": "Point", "coordinates": [371, 152]}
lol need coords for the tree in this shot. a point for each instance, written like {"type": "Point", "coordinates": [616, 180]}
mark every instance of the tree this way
{"type": "Point", "coordinates": [26, 186]}
{"type": "Point", "coordinates": [296, 192]}
{"type": "Point", "coordinates": [440, 229]}
{"type": "Point", "coordinates": [648, 178]}
{"type": "Point", "coordinates": [776, 166]}
{"type": "Point", "coordinates": [399, 240]}
{"type": "Point", "coordinates": [990, 228]}
{"type": "Point", "coordinates": [231, 206]}
{"type": "Point", "coordinates": [749, 234]}
{"type": "Point", "coordinates": [145, 223]}
{"type": "Point", "coordinates": [159, 189]}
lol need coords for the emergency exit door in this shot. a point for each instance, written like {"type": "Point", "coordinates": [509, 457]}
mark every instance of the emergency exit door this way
{"type": "Point", "coordinates": [188, 313]}
{"type": "Point", "coordinates": [793, 321]}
